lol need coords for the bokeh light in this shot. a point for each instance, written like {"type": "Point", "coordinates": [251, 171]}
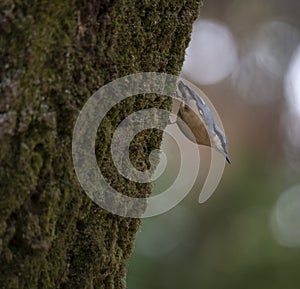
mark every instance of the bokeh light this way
{"type": "Point", "coordinates": [252, 83]}
{"type": "Point", "coordinates": [274, 44]}
{"type": "Point", "coordinates": [285, 218]}
{"type": "Point", "coordinates": [292, 83]}
{"type": "Point", "coordinates": [211, 54]}
{"type": "Point", "coordinates": [291, 119]}
{"type": "Point", "coordinates": [266, 54]}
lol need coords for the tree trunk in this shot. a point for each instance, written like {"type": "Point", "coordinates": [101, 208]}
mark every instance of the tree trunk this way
{"type": "Point", "coordinates": [53, 56]}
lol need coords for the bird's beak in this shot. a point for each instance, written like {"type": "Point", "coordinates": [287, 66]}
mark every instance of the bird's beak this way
{"type": "Point", "coordinates": [228, 159]}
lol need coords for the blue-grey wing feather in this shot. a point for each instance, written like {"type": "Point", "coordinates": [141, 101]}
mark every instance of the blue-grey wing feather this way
{"type": "Point", "coordinates": [204, 109]}
{"type": "Point", "coordinates": [206, 113]}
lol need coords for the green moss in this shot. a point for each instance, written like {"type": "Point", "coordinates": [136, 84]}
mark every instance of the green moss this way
{"type": "Point", "coordinates": [53, 56]}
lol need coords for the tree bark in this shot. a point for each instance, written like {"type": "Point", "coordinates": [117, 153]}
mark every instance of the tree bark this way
{"type": "Point", "coordinates": [53, 56]}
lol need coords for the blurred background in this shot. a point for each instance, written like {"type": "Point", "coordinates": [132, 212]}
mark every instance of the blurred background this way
{"type": "Point", "coordinates": [245, 56]}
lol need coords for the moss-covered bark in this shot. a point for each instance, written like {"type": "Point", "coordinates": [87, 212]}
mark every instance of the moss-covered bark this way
{"type": "Point", "coordinates": [53, 56]}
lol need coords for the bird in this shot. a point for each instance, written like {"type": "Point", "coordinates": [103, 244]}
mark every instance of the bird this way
{"type": "Point", "coordinates": [198, 117]}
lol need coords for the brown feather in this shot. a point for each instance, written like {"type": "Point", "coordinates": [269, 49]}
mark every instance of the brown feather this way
{"type": "Point", "coordinates": [191, 116]}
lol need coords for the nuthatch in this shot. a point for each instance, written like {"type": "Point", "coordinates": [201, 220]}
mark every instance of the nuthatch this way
{"type": "Point", "coordinates": [198, 117]}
